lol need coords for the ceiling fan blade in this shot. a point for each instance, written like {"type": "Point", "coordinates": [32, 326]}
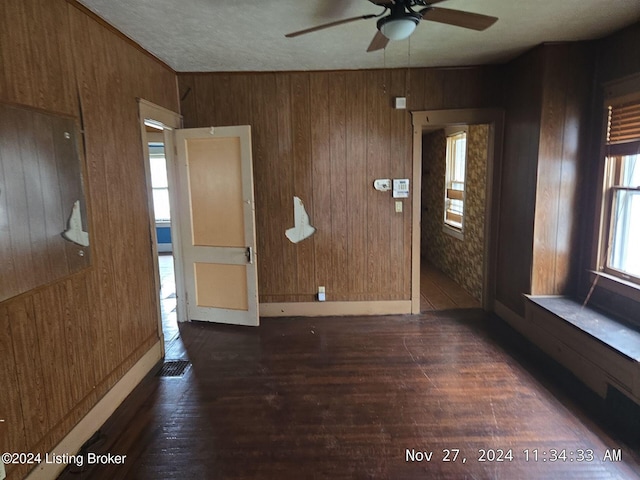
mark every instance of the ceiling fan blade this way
{"type": "Point", "coordinates": [327, 25]}
{"type": "Point", "coordinates": [378, 43]}
{"type": "Point", "coordinates": [474, 21]}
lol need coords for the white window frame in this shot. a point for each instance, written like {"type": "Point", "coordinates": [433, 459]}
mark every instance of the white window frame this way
{"type": "Point", "coordinates": [618, 92]}
{"type": "Point", "coordinates": [613, 186]}
{"type": "Point", "coordinates": [451, 184]}
{"type": "Point", "coordinates": [163, 221]}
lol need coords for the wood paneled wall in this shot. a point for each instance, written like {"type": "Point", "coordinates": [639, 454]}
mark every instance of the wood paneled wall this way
{"type": "Point", "coordinates": [325, 137]}
{"type": "Point", "coordinates": [63, 346]}
{"type": "Point", "coordinates": [561, 161]}
{"type": "Point", "coordinates": [40, 181]}
{"type": "Point", "coordinates": [546, 120]}
{"type": "Point", "coordinates": [519, 164]}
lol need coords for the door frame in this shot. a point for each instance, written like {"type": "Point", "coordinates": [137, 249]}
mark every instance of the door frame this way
{"type": "Point", "coordinates": [168, 121]}
{"type": "Point", "coordinates": [429, 119]}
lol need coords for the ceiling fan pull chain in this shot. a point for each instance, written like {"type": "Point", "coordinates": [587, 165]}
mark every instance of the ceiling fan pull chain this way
{"type": "Point", "coordinates": [408, 89]}
{"type": "Point", "coordinates": [384, 71]}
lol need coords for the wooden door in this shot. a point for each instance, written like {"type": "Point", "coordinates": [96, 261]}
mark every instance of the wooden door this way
{"type": "Point", "coordinates": [217, 223]}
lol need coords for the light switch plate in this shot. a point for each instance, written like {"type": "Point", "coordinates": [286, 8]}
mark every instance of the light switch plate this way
{"type": "Point", "coordinates": [401, 103]}
{"type": "Point", "coordinates": [398, 206]}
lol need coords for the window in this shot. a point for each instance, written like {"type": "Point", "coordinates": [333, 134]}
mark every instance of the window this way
{"type": "Point", "coordinates": [621, 201]}
{"type": "Point", "coordinates": [159, 182]}
{"type": "Point", "coordinates": [454, 189]}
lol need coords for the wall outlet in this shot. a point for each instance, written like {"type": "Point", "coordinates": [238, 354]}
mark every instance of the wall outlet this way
{"type": "Point", "coordinates": [321, 294]}
{"type": "Point", "coordinates": [398, 206]}
{"type": "Point", "coordinates": [3, 474]}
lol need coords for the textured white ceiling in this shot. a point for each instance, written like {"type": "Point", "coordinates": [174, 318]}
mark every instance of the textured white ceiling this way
{"type": "Point", "coordinates": [248, 35]}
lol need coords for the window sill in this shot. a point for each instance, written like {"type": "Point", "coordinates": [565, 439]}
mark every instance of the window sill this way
{"type": "Point", "coordinates": [618, 285]}
{"type": "Point", "coordinates": [455, 233]}
{"type": "Point", "coordinates": [600, 326]}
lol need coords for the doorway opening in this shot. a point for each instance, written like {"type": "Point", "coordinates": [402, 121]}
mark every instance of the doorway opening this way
{"type": "Point", "coordinates": [163, 233]}
{"type": "Point", "coordinates": [454, 161]}
{"type": "Point", "coordinates": [455, 171]}
{"type": "Point", "coordinates": [157, 126]}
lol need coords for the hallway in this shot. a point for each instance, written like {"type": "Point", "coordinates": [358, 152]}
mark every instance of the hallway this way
{"type": "Point", "coordinates": [439, 292]}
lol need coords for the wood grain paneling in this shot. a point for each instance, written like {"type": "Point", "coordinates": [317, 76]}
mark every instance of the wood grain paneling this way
{"type": "Point", "coordinates": [33, 397]}
{"type": "Point", "coordinates": [325, 137]}
{"type": "Point", "coordinates": [519, 164]}
{"type": "Point", "coordinates": [12, 430]}
{"type": "Point", "coordinates": [67, 343]}
{"type": "Point", "coordinates": [40, 183]}
{"type": "Point", "coordinates": [562, 127]}
{"type": "Point", "coordinates": [338, 278]}
{"type": "Point", "coordinates": [356, 202]}
{"type": "Point", "coordinates": [286, 170]}
{"type": "Point", "coordinates": [545, 128]}
{"type": "Point", "coordinates": [319, 206]}
{"type": "Point", "coordinates": [549, 173]}
{"type": "Point", "coordinates": [614, 56]}
{"type": "Point", "coordinates": [378, 203]}
{"type": "Point", "coordinates": [302, 185]}
{"type": "Point", "coordinates": [37, 55]}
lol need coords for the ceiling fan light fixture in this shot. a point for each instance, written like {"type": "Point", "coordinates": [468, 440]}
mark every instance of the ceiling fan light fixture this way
{"type": "Point", "coordinates": [399, 27]}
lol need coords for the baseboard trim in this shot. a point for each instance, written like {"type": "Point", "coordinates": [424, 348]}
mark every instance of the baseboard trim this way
{"type": "Point", "coordinates": [511, 317]}
{"type": "Point", "coordinates": [99, 414]}
{"type": "Point", "coordinates": [325, 309]}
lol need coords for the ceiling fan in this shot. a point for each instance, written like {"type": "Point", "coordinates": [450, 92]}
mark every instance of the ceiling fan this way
{"type": "Point", "coordinates": [403, 18]}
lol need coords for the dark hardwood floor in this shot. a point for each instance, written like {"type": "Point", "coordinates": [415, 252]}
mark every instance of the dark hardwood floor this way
{"type": "Point", "coordinates": [439, 292]}
{"type": "Point", "coordinates": [347, 398]}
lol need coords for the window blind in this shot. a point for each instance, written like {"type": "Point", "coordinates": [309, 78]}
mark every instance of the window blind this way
{"type": "Point", "coordinates": [624, 123]}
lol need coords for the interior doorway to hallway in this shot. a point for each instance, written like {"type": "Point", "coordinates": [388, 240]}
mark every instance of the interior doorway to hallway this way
{"type": "Point", "coordinates": [157, 125]}
{"type": "Point", "coordinates": [454, 167]}
{"type": "Point", "coordinates": [447, 213]}
{"type": "Point", "coordinates": [163, 235]}
{"type": "Point", "coordinates": [162, 230]}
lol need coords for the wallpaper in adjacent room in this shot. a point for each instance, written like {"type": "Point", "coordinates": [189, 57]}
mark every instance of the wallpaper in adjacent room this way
{"type": "Point", "coordinates": [462, 260]}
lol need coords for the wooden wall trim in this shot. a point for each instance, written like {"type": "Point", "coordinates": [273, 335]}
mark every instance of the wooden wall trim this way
{"type": "Point", "coordinates": [118, 33]}
{"type": "Point", "coordinates": [512, 318]}
{"type": "Point", "coordinates": [321, 309]}
{"type": "Point", "coordinates": [313, 72]}
{"type": "Point", "coordinates": [149, 110]}
{"type": "Point", "coordinates": [99, 414]}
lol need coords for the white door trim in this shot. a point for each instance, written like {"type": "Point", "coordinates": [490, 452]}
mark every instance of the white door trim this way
{"type": "Point", "coordinates": [169, 121]}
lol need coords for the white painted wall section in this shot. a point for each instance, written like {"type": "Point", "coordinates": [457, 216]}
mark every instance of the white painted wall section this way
{"type": "Point", "coordinates": [302, 228]}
